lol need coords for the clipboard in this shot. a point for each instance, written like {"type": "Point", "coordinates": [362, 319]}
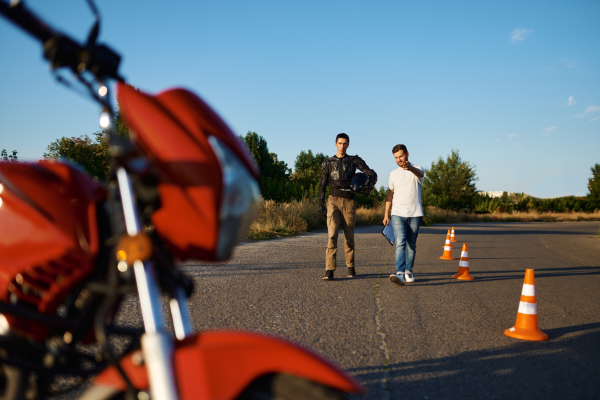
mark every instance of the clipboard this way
{"type": "Point", "coordinates": [388, 233]}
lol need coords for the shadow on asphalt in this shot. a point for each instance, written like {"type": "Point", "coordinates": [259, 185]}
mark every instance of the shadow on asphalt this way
{"type": "Point", "coordinates": [486, 247]}
{"type": "Point", "coordinates": [483, 276]}
{"type": "Point", "coordinates": [501, 258]}
{"type": "Point", "coordinates": [500, 231]}
{"type": "Point", "coordinates": [539, 273]}
{"type": "Point", "coordinates": [343, 277]}
{"type": "Point", "coordinates": [557, 272]}
{"type": "Point", "coordinates": [423, 278]}
{"type": "Point", "coordinates": [554, 369]}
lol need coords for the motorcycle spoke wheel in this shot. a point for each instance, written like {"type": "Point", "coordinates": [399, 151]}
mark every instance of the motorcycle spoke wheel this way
{"type": "Point", "coordinates": [288, 387]}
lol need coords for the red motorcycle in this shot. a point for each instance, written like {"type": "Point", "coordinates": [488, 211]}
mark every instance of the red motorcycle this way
{"type": "Point", "coordinates": [71, 248]}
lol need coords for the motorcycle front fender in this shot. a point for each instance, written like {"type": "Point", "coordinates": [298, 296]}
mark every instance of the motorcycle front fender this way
{"type": "Point", "coordinates": [219, 365]}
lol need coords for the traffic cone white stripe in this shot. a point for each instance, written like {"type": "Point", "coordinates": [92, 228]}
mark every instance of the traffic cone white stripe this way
{"type": "Point", "coordinates": [526, 325]}
{"type": "Point", "coordinates": [463, 265]}
{"type": "Point", "coordinates": [527, 308]}
{"type": "Point", "coordinates": [528, 290]}
{"type": "Point", "coordinates": [447, 249]}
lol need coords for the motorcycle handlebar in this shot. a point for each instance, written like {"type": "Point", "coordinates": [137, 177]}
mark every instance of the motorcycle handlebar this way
{"type": "Point", "coordinates": [22, 17]}
{"type": "Point", "coordinates": [61, 50]}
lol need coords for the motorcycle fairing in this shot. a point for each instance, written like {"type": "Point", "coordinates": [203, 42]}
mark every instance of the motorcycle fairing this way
{"type": "Point", "coordinates": [49, 236]}
{"type": "Point", "coordinates": [200, 120]}
{"type": "Point", "coordinates": [24, 227]}
{"type": "Point", "coordinates": [172, 129]}
{"type": "Point", "coordinates": [219, 365]}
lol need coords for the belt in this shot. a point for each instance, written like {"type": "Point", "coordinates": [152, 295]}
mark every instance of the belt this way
{"type": "Point", "coordinates": [341, 193]}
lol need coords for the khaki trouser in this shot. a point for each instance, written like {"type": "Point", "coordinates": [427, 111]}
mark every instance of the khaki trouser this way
{"type": "Point", "coordinates": [341, 213]}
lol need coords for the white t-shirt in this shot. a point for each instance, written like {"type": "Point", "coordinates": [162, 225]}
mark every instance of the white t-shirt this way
{"type": "Point", "coordinates": [407, 193]}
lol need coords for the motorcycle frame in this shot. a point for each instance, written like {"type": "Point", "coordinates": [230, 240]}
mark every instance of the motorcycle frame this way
{"type": "Point", "coordinates": [158, 348]}
{"type": "Point", "coordinates": [156, 343]}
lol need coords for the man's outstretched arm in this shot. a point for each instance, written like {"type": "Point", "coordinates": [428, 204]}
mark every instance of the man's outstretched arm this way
{"type": "Point", "coordinates": [407, 166]}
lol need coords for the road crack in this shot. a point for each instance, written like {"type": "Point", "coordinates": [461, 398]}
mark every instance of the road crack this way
{"type": "Point", "coordinates": [378, 326]}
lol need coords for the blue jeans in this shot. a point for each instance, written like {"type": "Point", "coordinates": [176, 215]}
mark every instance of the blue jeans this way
{"type": "Point", "coordinates": [406, 230]}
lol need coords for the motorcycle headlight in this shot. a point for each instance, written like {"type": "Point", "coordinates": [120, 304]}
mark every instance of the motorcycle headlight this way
{"type": "Point", "coordinates": [239, 198]}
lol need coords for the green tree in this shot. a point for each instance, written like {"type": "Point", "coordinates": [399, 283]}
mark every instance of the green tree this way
{"type": "Point", "coordinates": [120, 128]}
{"type": "Point", "coordinates": [450, 183]}
{"type": "Point", "coordinates": [90, 154]}
{"type": "Point", "coordinates": [375, 199]}
{"type": "Point", "coordinates": [594, 188]}
{"type": "Point", "coordinates": [266, 162]}
{"type": "Point", "coordinates": [307, 170]}
{"type": "Point", "coordinates": [4, 156]}
{"type": "Point", "coordinates": [275, 183]}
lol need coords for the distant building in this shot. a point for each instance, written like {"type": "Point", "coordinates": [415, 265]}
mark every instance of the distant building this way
{"type": "Point", "coordinates": [499, 194]}
{"type": "Point", "coordinates": [491, 194]}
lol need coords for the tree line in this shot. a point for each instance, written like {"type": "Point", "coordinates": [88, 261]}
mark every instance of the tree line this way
{"type": "Point", "coordinates": [449, 183]}
{"type": "Point", "coordinates": [279, 183]}
{"type": "Point", "coordinates": [90, 153]}
{"type": "Point", "coordinates": [4, 156]}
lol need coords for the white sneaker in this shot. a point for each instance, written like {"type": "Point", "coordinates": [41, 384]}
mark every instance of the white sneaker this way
{"type": "Point", "coordinates": [409, 277]}
{"type": "Point", "coordinates": [397, 279]}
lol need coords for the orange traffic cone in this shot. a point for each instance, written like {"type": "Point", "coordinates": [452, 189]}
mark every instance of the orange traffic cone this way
{"type": "Point", "coordinates": [448, 242]}
{"type": "Point", "coordinates": [447, 249]}
{"type": "Point", "coordinates": [526, 327]}
{"type": "Point", "coordinates": [452, 237]}
{"type": "Point", "coordinates": [463, 266]}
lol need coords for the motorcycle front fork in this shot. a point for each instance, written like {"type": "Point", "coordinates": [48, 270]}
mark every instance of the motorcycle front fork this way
{"type": "Point", "coordinates": [157, 345]}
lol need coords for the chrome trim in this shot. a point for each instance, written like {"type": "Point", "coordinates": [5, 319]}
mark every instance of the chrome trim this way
{"type": "Point", "coordinates": [180, 313]}
{"type": "Point", "coordinates": [157, 344]}
{"type": "Point", "coordinates": [149, 294]}
{"type": "Point", "coordinates": [158, 356]}
{"type": "Point", "coordinates": [132, 220]}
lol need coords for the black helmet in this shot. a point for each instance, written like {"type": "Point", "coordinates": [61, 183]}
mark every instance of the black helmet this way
{"type": "Point", "coordinates": [360, 184]}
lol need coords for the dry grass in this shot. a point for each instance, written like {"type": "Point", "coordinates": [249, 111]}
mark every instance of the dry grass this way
{"type": "Point", "coordinates": [369, 216]}
{"type": "Point", "coordinates": [441, 216]}
{"type": "Point", "coordinates": [285, 219]}
{"type": "Point", "coordinates": [276, 220]}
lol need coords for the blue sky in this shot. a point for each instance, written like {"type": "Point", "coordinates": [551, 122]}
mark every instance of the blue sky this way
{"type": "Point", "coordinates": [513, 85]}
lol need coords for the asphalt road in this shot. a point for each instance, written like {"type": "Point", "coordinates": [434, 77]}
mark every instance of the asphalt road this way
{"type": "Point", "coordinates": [437, 338]}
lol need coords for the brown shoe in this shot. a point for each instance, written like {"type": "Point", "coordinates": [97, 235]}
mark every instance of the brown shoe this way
{"type": "Point", "coordinates": [351, 272]}
{"type": "Point", "coordinates": [328, 275]}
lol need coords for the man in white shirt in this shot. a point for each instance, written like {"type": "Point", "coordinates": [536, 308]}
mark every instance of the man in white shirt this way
{"type": "Point", "coordinates": [404, 202]}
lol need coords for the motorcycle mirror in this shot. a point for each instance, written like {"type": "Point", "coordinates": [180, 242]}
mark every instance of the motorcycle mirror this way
{"type": "Point", "coordinates": [93, 35]}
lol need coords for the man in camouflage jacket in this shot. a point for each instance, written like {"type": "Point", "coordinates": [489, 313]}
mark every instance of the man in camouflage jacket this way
{"type": "Point", "coordinates": [340, 209]}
